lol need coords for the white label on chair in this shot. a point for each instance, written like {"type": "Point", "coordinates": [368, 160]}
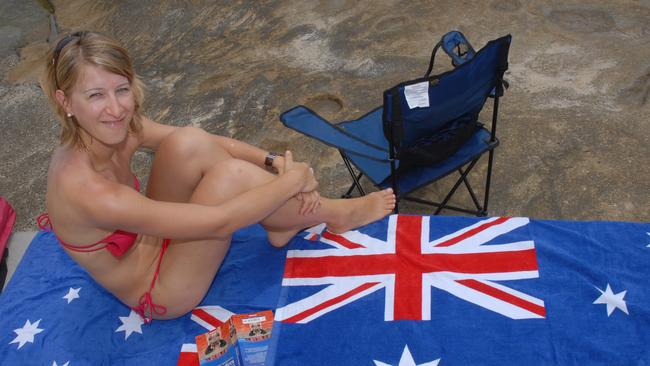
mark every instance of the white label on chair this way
{"type": "Point", "coordinates": [417, 95]}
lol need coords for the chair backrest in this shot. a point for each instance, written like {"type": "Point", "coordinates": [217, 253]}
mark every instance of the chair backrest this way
{"type": "Point", "coordinates": [446, 97]}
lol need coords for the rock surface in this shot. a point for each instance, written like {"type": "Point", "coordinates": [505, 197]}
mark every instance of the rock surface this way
{"type": "Point", "coordinates": [574, 126]}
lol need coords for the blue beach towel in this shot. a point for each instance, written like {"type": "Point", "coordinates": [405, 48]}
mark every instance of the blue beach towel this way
{"type": "Point", "coordinates": [406, 290]}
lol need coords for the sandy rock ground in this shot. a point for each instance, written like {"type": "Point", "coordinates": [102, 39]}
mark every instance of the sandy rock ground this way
{"type": "Point", "coordinates": [574, 125]}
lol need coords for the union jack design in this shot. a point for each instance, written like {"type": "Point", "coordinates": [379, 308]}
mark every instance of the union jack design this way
{"type": "Point", "coordinates": [407, 264]}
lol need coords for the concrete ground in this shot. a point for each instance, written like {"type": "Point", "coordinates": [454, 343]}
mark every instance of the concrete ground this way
{"type": "Point", "coordinates": [574, 125]}
{"type": "Point", "coordinates": [18, 244]}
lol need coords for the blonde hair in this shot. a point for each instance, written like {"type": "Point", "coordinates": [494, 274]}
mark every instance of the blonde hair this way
{"type": "Point", "coordinates": [63, 69]}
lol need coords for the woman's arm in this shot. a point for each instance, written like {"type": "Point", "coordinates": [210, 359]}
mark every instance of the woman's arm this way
{"type": "Point", "coordinates": [113, 206]}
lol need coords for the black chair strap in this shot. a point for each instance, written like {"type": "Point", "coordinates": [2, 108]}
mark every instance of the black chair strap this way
{"type": "Point", "coordinates": [397, 123]}
{"type": "Point", "coordinates": [432, 60]}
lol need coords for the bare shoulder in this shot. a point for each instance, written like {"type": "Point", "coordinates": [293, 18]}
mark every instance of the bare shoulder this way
{"type": "Point", "coordinates": [72, 184]}
{"type": "Point", "coordinates": [153, 133]}
{"type": "Point", "coordinates": [68, 168]}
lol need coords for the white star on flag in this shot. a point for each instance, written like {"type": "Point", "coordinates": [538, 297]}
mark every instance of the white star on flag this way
{"type": "Point", "coordinates": [65, 364]}
{"type": "Point", "coordinates": [612, 300]}
{"type": "Point", "coordinates": [73, 293]}
{"type": "Point", "coordinates": [26, 333]}
{"type": "Point", "coordinates": [130, 324]}
{"type": "Point", "coordinates": [407, 360]}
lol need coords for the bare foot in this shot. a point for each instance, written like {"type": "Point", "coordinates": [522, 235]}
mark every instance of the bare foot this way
{"type": "Point", "coordinates": [280, 238]}
{"type": "Point", "coordinates": [360, 211]}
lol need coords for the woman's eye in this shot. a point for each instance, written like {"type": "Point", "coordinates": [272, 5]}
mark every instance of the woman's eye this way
{"type": "Point", "coordinates": [123, 90]}
{"type": "Point", "coordinates": [94, 95]}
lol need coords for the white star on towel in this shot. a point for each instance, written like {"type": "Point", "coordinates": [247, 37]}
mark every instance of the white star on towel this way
{"type": "Point", "coordinates": [65, 364]}
{"type": "Point", "coordinates": [130, 324]}
{"type": "Point", "coordinates": [26, 333]}
{"type": "Point", "coordinates": [612, 300]}
{"type": "Point", "coordinates": [407, 360]}
{"type": "Point", "coordinates": [73, 293]}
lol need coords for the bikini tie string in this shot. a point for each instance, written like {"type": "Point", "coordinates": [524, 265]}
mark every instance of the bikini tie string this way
{"type": "Point", "coordinates": [146, 308]}
{"type": "Point", "coordinates": [43, 222]}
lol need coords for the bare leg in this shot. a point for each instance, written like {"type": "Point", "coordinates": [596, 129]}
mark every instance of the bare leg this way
{"type": "Point", "coordinates": [192, 156]}
{"type": "Point", "coordinates": [190, 266]}
{"type": "Point", "coordinates": [180, 175]}
{"type": "Point", "coordinates": [340, 215]}
{"type": "Point", "coordinates": [181, 162]}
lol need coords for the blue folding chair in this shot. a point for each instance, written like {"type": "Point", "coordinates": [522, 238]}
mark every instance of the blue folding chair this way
{"type": "Point", "coordinates": [426, 129]}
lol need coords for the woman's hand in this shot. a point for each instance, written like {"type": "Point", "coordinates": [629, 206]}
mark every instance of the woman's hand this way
{"type": "Point", "coordinates": [309, 182]}
{"type": "Point", "coordinates": [308, 195]}
{"type": "Point", "coordinates": [278, 164]}
{"type": "Point", "coordinates": [309, 202]}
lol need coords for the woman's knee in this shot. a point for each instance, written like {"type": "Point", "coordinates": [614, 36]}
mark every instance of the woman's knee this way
{"type": "Point", "coordinates": [237, 172]}
{"type": "Point", "coordinates": [227, 179]}
{"type": "Point", "coordinates": [186, 143]}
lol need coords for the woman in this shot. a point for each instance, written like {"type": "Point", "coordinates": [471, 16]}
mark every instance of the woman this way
{"type": "Point", "coordinates": [159, 253]}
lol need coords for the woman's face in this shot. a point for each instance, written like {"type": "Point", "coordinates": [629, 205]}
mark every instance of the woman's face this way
{"type": "Point", "coordinates": [103, 104]}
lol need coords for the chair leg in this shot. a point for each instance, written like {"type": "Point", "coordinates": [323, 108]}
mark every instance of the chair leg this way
{"type": "Point", "coordinates": [470, 191]}
{"type": "Point", "coordinates": [348, 193]}
{"type": "Point", "coordinates": [436, 204]}
{"type": "Point", "coordinates": [355, 177]}
{"type": "Point", "coordinates": [395, 187]}
{"type": "Point", "coordinates": [453, 190]}
{"type": "Point", "coordinates": [488, 180]}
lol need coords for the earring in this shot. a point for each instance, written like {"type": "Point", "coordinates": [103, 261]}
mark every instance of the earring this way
{"type": "Point", "coordinates": [69, 114]}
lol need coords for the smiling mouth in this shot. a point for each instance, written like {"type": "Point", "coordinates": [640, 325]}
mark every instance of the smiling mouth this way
{"type": "Point", "coordinates": [114, 124]}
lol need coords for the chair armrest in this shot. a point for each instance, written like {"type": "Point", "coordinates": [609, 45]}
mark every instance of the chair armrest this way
{"type": "Point", "coordinates": [309, 123]}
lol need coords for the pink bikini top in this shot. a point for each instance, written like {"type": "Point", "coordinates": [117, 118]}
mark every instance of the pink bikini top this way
{"type": "Point", "coordinates": [117, 243]}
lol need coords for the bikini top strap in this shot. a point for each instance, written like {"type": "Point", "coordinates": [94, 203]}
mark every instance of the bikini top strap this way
{"type": "Point", "coordinates": [43, 222]}
{"type": "Point", "coordinates": [84, 248]}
